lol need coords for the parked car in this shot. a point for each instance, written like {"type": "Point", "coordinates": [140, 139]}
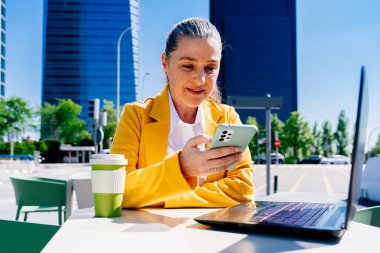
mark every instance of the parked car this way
{"type": "Point", "coordinates": [313, 159]}
{"type": "Point", "coordinates": [273, 158]}
{"type": "Point", "coordinates": [336, 159]}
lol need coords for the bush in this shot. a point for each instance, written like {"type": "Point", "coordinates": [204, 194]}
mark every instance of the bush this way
{"type": "Point", "coordinates": [53, 153]}
{"type": "Point", "coordinates": [85, 142]}
{"type": "Point", "coordinates": [49, 149]}
{"type": "Point", "coordinates": [19, 148]}
{"type": "Point", "coordinates": [5, 148]}
{"type": "Point", "coordinates": [291, 160]}
{"type": "Point", "coordinates": [41, 146]}
{"type": "Point", "coordinates": [24, 148]}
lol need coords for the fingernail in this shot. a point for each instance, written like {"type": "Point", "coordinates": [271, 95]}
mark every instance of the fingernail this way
{"type": "Point", "coordinates": [237, 149]}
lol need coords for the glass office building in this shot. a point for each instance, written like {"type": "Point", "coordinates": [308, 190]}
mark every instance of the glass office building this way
{"type": "Point", "coordinates": [260, 51]}
{"type": "Point", "coordinates": [3, 43]}
{"type": "Point", "coordinates": [80, 50]}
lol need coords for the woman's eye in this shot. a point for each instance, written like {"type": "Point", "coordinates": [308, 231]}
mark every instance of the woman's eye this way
{"type": "Point", "coordinates": [211, 68]}
{"type": "Point", "coordinates": [187, 67]}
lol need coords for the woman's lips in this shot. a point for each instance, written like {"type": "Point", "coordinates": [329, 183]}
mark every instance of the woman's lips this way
{"type": "Point", "coordinates": [196, 91]}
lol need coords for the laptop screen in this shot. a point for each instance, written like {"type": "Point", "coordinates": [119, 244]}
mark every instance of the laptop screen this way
{"type": "Point", "coordinates": [358, 149]}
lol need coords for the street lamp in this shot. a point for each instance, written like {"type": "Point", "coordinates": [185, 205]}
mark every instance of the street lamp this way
{"type": "Point", "coordinates": [142, 84]}
{"type": "Point", "coordinates": [118, 74]}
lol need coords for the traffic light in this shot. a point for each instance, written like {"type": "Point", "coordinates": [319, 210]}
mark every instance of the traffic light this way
{"type": "Point", "coordinates": [94, 108]}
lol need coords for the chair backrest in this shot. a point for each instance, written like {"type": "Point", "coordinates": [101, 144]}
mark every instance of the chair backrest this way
{"type": "Point", "coordinates": [83, 192]}
{"type": "Point", "coordinates": [35, 191]}
{"type": "Point", "coordinates": [369, 216]}
{"type": "Point", "coordinates": [24, 237]}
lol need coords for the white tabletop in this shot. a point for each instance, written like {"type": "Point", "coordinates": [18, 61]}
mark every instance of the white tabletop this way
{"type": "Point", "coordinates": [174, 230]}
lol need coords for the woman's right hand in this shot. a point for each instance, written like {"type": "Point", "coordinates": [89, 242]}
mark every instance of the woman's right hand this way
{"type": "Point", "coordinates": [196, 162]}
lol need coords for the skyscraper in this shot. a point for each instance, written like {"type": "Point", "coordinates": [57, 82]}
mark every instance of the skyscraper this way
{"type": "Point", "coordinates": [260, 51]}
{"type": "Point", "coordinates": [3, 42]}
{"type": "Point", "coordinates": [80, 50]}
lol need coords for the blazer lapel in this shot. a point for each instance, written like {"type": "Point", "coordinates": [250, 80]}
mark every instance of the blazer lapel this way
{"type": "Point", "coordinates": [156, 133]}
{"type": "Point", "coordinates": [212, 116]}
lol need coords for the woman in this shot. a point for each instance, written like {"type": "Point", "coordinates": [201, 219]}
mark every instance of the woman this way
{"type": "Point", "coordinates": [165, 138]}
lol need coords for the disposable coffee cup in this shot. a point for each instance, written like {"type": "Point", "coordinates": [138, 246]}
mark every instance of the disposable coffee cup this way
{"type": "Point", "coordinates": [108, 179]}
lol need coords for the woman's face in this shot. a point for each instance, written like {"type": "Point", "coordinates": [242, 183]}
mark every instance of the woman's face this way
{"type": "Point", "coordinates": [192, 70]}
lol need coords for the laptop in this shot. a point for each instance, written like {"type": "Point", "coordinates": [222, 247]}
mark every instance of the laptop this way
{"type": "Point", "coordinates": [298, 218]}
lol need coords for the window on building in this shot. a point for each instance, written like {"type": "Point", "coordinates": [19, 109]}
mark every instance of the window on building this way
{"type": "Point", "coordinates": [2, 63]}
{"type": "Point", "coordinates": [3, 11]}
{"type": "Point", "coordinates": [3, 76]}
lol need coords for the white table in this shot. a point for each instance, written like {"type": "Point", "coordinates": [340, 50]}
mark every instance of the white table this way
{"type": "Point", "coordinates": [174, 230]}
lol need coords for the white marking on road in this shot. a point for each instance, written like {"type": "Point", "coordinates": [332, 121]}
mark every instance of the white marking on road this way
{"type": "Point", "coordinates": [328, 187]}
{"type": "Point", "coordinates": [298, 183]}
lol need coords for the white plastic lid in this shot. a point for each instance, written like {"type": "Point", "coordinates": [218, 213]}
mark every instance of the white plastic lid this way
{"type": "Point", "coordinates": [108, 159]}
{"type": "Point", "coordinates": [107, 156]}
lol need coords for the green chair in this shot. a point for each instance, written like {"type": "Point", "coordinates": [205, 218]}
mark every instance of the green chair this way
{"type": "Point", "coordinates": [24, 236]}
{"type": "Point", "coordinates": [369, 216]}
{"type": "Point", "coordinates": [35, 194]}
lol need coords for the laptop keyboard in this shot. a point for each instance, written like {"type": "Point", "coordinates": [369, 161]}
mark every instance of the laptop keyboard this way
{"type": "Point", "coordinates": [295, 214]}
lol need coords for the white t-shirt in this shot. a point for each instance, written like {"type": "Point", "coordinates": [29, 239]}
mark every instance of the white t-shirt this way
{"type": "Point", "coordinates": [180, 132]}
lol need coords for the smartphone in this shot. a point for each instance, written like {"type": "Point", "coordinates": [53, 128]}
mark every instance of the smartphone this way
{"type": "Point", "coordinates": [233, 135]}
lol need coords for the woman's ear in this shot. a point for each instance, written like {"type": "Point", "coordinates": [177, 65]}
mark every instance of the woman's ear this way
{"type": "Point", "coordinates": [164, 63]}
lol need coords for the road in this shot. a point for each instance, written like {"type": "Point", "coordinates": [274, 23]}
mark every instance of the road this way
{"type": "Point", "coordinates": [329, 180]}
{"type": "Point", "coordinates": [323, 181]}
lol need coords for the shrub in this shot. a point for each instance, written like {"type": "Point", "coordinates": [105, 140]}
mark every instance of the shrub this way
{"type": "Point", "coordinates": [53, 153]}
{"type": "Point", "coordinates": [291, 160]}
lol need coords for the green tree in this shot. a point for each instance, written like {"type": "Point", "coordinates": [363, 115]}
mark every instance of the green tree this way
{"type": "Point", "coordinates": [341, 134]}
{"type": "Point", "coordinates": [61, 122]}
{"type": "Point", "coordinates": [327, 139]}
{"type": "Point", "coordinates": [296, 136]}
{"type": "Point", "coordinates": [109, 130]}
{"type": "Point", "coordinates": [375, 151]}
{"type": "Point", "coordinates": [15, 116]}
{"type": "Point", "coordinates": [253, 144]}
{"type": "Point", "coordinates": [3, 120]}
{"type": "Point", "coordinates": [276, 126]}
{"type": "Point", "coordinates": [317, 144]}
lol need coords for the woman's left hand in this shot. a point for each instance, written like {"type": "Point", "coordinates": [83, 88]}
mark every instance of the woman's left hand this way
{"type": "Point", "coordinates": [196, 162]}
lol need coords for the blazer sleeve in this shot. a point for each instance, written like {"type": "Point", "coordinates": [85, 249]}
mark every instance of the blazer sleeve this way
{"type": "Point", "coordinates": [155, 183]}
{"type": "Point", "coordinates": [234, 187]}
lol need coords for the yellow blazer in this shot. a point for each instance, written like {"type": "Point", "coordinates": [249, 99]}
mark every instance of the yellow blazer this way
{"type": "Point", "coordinates": [155, 179]}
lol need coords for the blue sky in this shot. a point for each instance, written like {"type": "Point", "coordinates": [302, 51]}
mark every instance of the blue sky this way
{"type": "Point", "coordinates": [334, 38]}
